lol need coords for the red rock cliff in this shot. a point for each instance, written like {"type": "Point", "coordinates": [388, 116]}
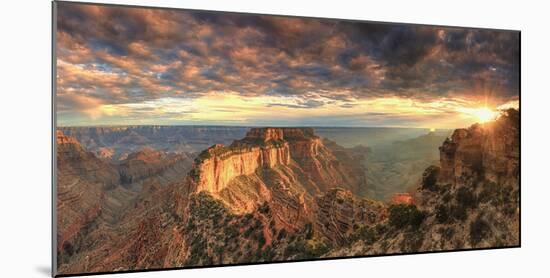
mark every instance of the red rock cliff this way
{"type": "Point", "coordinates": [489, 151]}
{"type": "Point", "coordinates": [264, 134]}
{"type": "Point", "coordinates": [218, 165]}
{"type": "Point", "coordinates": [300, 149]}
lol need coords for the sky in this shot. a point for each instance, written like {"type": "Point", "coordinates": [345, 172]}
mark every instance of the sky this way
{"type": "Point", "coordinates": [121, 65]}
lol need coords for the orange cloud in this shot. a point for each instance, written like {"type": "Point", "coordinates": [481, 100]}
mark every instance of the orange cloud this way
{"type": "Point", "coordinates": [139, 48]}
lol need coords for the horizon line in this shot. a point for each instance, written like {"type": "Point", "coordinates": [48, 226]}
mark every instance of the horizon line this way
{"type": "Point", "coordinates": [240, 126]}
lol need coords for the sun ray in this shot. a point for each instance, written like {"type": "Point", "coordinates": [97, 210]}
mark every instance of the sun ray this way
{"type": "Point", "coordinates": [481, 114]}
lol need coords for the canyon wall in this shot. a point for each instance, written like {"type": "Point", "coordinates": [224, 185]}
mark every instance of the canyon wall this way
{"type": "Point", "coordinates": [311, 162]}
{"type": "Point", "coordinates": [81, 182]}
{"type": "Point", "coordinates": [489, 151]}
{"type": "Point", "coordinates": [219, 165]}
{"type": "Point", "coordinates": [340, 213]}
{"type": "Point", "coordinates": [149, 163]}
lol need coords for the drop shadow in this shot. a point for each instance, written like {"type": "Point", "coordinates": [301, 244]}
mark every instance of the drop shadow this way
{"type": "Point", "coordinates": [44, 270]}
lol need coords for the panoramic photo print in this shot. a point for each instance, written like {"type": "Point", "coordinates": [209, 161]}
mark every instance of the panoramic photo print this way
{"type": "Point", "coordinates": [191, 138]}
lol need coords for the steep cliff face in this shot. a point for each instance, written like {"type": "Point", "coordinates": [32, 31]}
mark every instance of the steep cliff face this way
{"type": "Point", "coordinates": [489, 152]}
{"type": "Point", "coordinates": [250, 170]}
{"type": "Point", "coordinates": [474, 201]}
{"type": "Point", "coordinates": [318, 163]}
{"type": "Point", "coordinates": [471, 200]}
{"type": "Point", "coordinates": [219, 165]}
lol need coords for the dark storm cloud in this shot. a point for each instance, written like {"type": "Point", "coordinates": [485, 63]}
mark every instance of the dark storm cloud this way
{"type": "Point", "coordinates": [122, 55]}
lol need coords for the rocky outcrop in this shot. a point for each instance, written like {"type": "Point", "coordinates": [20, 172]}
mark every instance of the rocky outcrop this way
{"type": "Point", "coordinates": [489, 151]}
{"type": "Point", "coordinates": [73, 159]}
{"type": "Point", "coordinates": [476, 195]}
{"type": "Point", "coordinates": [219, 165]}
{"type": "Point", "coordinates": [471, 200]}
{"type": "Point", "coordinates": [291, 209]}
{"type": "Point", "coordinates": [461, 155]}
{"type": "Point", "coordinates": [62, 140]}
{"type": "Point", "coordinates": [321, 163]}
{"type": "Point", "coordinates": [94, 213]}
{"type": "Point", "coordinates": [340, 213]}
{"type": "Point", "coordinates": [268, 157]}
{"type": "Point", "coordinates": [105, 153]}
{"type": "Point", "coordinates": [430, 176]}
{"type": "Point", "coordinates": [402, 198]}
{"type": "Point", "coordinates": [149, 163]}
{"type": "Point", "coordinates": [264, 134]}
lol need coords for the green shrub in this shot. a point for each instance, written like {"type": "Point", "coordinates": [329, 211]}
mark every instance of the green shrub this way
{"type": "Point", "coordinates": [267, 254]}
{"type": "Point", "coordinates": [191, 225]}
{"type": "Point", "coordinates": [307, 249]}
{"type": "Point", "coordinates": [497, 195]}
{"type": "Point", "coordinates": [248, 216]}
{"type": "Point", "coordinates": [447, 197]}
{"type": "Point", "coordinates": [458, 212]}
{"type": "Point", "coordinates": [380, 229]}
{"type": "Point", "coordinates": [441, 214]}
{"type": "Point", "coordinates": [510, 209]}
{"type": "Point", "coordinates": [261, 240]}
{"type": "Point", "coordinates": [403, 215]}
{"type": "Point", "coordinates": [258, 236]}
{"type": "Point", "coordinates": [417, 218]}
{"type": "Point", "coordinates": [429, 178]}
{"type": "Point", "coordinates": [198, 250]}
{"type": "Point", "coordinates": [264, 209]}
{"type": "Point", "coordinates": [248, 232]}
{"type": "Point", "coordinates": [412, 241]}
{"type": "Point", "coordinates": [231, 231]}
{"type": "Point", "coordinates": [479, 230]}
{"type": "Point", "coordinates": [448, 233]}
{"type": "Point", "coordinates": [308, 230]}
{"type": "Point", "coordinates": [218, 250]}
{"type": "Point", "coordinates": [444, 189]}
{"type": "Point", "coordinates": [466, 198]}
{"type": "Point", "coordinates": [296, 248]}
{"type": "Point", "coordinates": [282, 234]}
{"type": "Point", "coordinates": [366, 234]}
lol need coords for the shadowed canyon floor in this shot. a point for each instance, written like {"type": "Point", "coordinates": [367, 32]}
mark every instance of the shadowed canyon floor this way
{"type": "Point", "coordinates": [147, 197]}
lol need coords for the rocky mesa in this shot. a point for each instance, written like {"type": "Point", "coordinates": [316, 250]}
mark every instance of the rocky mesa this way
{"type": "Point", "coordinates": [270, 161]}
{"type": "Point", "coordinates": [218, 165]}
{"type": "Point", "coordinates": [268, 148]}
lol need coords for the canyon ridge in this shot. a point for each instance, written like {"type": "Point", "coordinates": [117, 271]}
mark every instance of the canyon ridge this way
{"type": "Point", "coordinates": [151, 197]}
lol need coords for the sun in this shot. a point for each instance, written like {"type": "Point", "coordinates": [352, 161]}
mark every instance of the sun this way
{"type": "Point", "coordinates": [482, 114]}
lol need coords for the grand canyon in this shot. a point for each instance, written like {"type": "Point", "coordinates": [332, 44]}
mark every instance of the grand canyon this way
{"type": "Point", "coordinates": [189, 138]}
{"type": "Point", "coordinates": [142, 198]}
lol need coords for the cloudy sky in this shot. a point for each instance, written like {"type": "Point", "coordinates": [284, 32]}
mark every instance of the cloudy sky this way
{"type": "Point", "coordinates": [121, 65]}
